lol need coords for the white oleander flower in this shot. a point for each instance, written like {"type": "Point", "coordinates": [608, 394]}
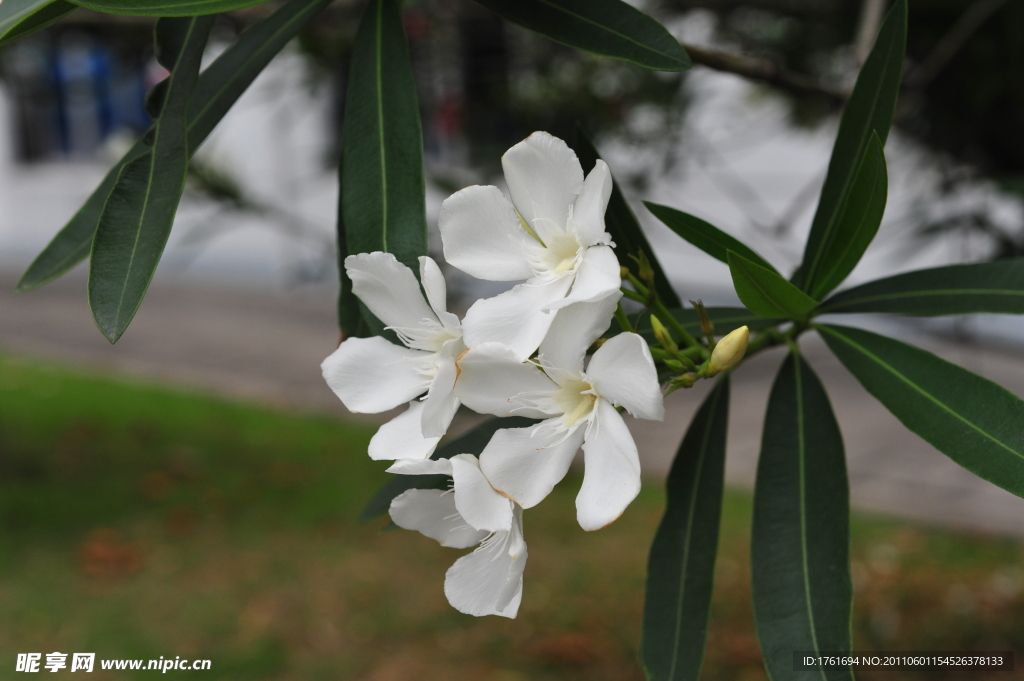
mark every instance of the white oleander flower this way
{"type": "Point", "coordinates": [551, 234]}
{"type": "Point", "coordinates": [372, 375]}
{"type": "Point", "coordinates": [488, 581]}
{"type": "Point", "coordinates": [578, 407]}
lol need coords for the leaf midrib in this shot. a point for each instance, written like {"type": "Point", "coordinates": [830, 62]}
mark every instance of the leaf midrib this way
{"type": "Point", "coordinates": [840, 259]}
{"type": "Point", "coordinates": [153, 9]}
{"type": "Point", "coordinates": [713, 410]}
{"type": "Point", "coordinates": [942, 405]}
{"type": "Point", "coordinates": [772, 299]}
{"type": "Point", "coordinates": [607, 29]}
{"type": "Point", "coordinates": [924, 293]}
{"type": "Point", "coordinates": [16, 18]}
{"type": "Point", "coordinates": [379, 84]}
{"type": "Point", "coordinates": [844, 196]}
{"type": "Point", "coordinates": [802, 457]}
{"type": "Point", "coordinates": [151, 174]}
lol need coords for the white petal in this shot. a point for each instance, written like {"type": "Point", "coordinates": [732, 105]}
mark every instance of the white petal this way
{"type": "Point", "coordinates": [575, 328]}
{"type": "Point", "coordinates": [489, 581]}
{"type": "Point", "coordinates": [525, 464]}
{"type": "Point", "coordinates": [437, 292]}
{"type": "Point", "coordinates": [432, 513]}
{"type": "Point", "coordinates": [514, 318]}
{"type": "Point", "coordinates": [482, 236]}
{"type": "Point", "coordinates": [543, 176]}
{"type": "Point", "coordinates": [421, 467]}
{"type": "Point", "coordinates": [622, 371]}
{"type": "Point", "coordinates": [402, 437]}
{"type": "Point", "coordinates": [611, 479]}
{"type": "Point", "coordinates": [372, 375]}
{"type": "Point", "coordinates": [490, 375]}
{"type": "Point", "coordinates": [442, 403]}
{"type": "Point", "coordinates": [478, 503]}
{"type": "Point", "coordinates": [597, 277]}
{"type": "Point", "coordinates": [588, 212]}
{"type": "Point", "coordinates": [389, 289]}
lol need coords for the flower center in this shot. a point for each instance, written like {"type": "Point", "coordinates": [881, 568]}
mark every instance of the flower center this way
{"type": "Point", "coordinates": [576, 400]}
{"type": "Point", "coordinates": [563, 252]}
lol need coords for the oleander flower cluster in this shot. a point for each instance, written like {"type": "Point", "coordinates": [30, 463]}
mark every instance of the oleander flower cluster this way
{"type": "Point", "coordinates": [521, 353]}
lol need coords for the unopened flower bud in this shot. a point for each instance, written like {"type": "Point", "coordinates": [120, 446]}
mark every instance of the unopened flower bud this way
{"type": "Point", "coordinates": [646, 271]}
{"type": "Point", "coordinates": [707, 327]}
{"type": "Point", "coordinates": [623, 272]}
{"type": "Point", "coordinates": [663, 336]}
{"type": "Point", "coordinates": [729, 351]}
{"type": "Point", "coordinates": [684, 381]}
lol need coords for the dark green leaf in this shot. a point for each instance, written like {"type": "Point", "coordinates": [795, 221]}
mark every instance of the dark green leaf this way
{"type": "Point", "coordinates": [382, 190]}
{"type": "Point", "coordinates": [765, 292]}
{"type": "Point", "coordinates": [704, 235]}
{"type": "Point", "coordinates": [681, 568]}
{"type": "Point", "coordinates": [976, 422]}
{"type": "Point", "coordinates": [857, 222]}
{"type": "Point", "coordinates": [472, 442]}
{"type": "Point", "coordinates": [351, 318]}
{"type": "Point", "coordinates": [137, 218]}
{"type": "Point", "coordinates": [870, 108]}
{"type": "Point", "coordinates": [800, 548]}
{"type": "Point", "coordinates": [166, 8]}
{"type": "Point", "coordinates": [217, 89]}
{"type": "Point", "coordinates": [957, 289]}
{"type": "Point", "coordinates": [606, 27]}
{"type": "Point", "coordinates": [19, 18]}
{"type": "Point", "coordinates": [623, 226]}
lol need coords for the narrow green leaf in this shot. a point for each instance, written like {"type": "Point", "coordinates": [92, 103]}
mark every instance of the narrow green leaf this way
{"type": "Point", "coordinates": [19, 18]}
{"type": "Point", "coordinates": [800, 548]}
{"type": "Point", "coordinates": [857, 222]}
{"type": "Point", "coordinates": [956, 289]}
{"type": "Point", "coordinates": [765, 292]}
{"type": "Point", "coordinates": [472, 442]}
{"type": "Point", "coordinates": [704, 235]}
{"type": "Point", "coordinates": [974, 421]}
{"type": "Point", "coordinates": [383, 203]}
{"type": "Point", "coordinates": [137, 218]}
{"type": "Point", "coordinates": [870, 108]}
{"type": "Point", "coordinates": [610, 28]}
{"type": "Point", "coordinates": [681, 568]}
{"type": "Point", "coordinates": [350, 315]}
{"type": "Point", "coordinates": [166, 8]}
{"type": "Point", "coordinates": [623, 226]}
{"type": "Point", "coordinates": [217, 89]}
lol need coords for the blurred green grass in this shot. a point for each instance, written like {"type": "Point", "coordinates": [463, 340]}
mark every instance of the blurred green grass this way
{"type": "Point", "coordinates": [138, 521]}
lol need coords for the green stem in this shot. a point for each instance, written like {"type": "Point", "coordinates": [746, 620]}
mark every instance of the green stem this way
{"type": "Point", "coordinates": [633, 295]}
{"type": "Point", "coordinates": [671, 322]}
{"type": "Point", "coordinates": [622, 319]}
{"type": "Point", "coordinates": [638, 285]}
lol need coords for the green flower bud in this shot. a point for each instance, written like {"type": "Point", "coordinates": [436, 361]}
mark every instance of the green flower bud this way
{"type": "Point", "coordinates": [729, 351]}
{"type": "Point", "coordinates": [706, 325]}
{"type": "Point", "coordinates": [684, 381]}
{"type": "Point", "coordinates": [663, 336]}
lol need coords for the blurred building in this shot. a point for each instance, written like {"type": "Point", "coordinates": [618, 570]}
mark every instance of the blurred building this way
{"type": "Point", "coordinates": [73, 88]}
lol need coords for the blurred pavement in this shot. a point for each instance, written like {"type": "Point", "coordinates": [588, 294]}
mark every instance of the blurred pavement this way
{"type": "Point", "coordinates": [267, 346]}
